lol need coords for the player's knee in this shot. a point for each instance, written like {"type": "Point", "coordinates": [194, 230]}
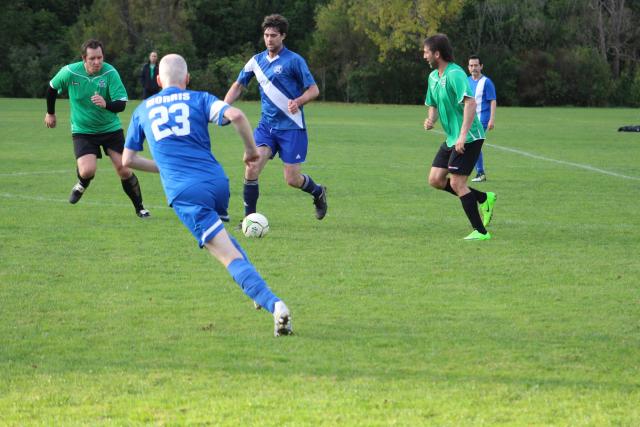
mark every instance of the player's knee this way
{"type": "Point", "coordinates": [458, 185]}
{"type": "Point", "coordinates": [87, 172]}
{"type": "Point", "coordinates": [294, 180]}
{"type": "Point", "coordinates": [252, 171]}
{"type": "Point", "coordinates": [436, 182]}
{"type": "Point", "coordinates": [123, 172]}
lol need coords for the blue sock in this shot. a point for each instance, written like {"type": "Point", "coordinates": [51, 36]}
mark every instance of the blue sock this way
{"type": "Point", "coordinates": [251, 193]}
{"type": "Point", "coordinates": [480, 164]}
{"type": "Point", "coordinates": [310, 187]}
{"type": "Point", "coordinates": [252, 284]}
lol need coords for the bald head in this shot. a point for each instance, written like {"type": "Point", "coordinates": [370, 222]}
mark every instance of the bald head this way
{"type": "Point", "coordinates": [173, 71]}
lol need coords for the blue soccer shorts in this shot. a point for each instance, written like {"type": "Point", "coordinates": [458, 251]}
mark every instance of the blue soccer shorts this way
{"type": "Point", "coordinates": [202, 208]}
{"type": "Point", "coordinates": [290, 145]}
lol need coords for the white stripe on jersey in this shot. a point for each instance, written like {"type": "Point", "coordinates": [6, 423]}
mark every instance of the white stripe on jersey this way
{"type": "Point", "coordinates": [278, 98]}
{"type": "Point", "coordinates": [216, 109]}
{"type": "Point", "coordinates": [478, 95]}
{"type": "Point", "coordinates": [209, 231]}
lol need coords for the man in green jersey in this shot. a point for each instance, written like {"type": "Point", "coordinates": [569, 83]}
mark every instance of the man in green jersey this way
{"type": "Point", "coordinates": [450, 99]}
{"type": "Point", "coordinates": [96, 95]}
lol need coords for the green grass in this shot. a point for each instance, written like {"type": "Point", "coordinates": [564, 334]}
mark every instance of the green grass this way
{"type": "Point", "coordinates": [109, 320]}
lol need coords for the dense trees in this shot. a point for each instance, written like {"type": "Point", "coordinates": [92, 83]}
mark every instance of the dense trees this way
{"type": "Point", "coordinates": [539, 52]}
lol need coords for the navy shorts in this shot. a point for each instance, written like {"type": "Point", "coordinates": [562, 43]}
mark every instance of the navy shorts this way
{"type": "Point", "coordinates": [291, 144]}
{"type": "Point", "coordinates": [90, 143]}
{"type": "Point", "coordinates": [456, 163]}
{"type": "Point", "coordinates": [202, 208]}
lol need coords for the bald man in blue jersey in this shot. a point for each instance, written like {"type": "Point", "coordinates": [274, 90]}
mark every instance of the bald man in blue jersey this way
{"type": "Point", "coordinates": [174, 122]}
{"type": "Point", "coordinates": [286, 84]}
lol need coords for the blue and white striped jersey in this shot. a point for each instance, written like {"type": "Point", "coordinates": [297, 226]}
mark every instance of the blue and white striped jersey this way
{"type": "Point", "coordinates": [484, 92]}
{"type": "Point", "coordinates": [282, 78]}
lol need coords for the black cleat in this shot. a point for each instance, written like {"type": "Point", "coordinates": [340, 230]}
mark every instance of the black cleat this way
{"type": "Point", "coordinates": [321, 203]}
{"type": "Point", "coordinates": [143, 213]}
{"type": "Point", "coordinates": [76, 193]}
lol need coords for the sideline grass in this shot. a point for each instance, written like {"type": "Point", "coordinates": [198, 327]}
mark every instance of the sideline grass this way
{"type": "Point", "coordinates": [109, 320]}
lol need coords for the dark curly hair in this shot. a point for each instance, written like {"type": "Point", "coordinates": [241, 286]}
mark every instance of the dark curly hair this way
{"type": "Point", "coordinates": [276, 21]}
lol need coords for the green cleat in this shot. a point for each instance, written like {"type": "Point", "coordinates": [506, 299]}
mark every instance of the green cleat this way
{"type": "Point", "coordinates": [476, 235]}
{"type": "Point", "coordinates": [486, 208]}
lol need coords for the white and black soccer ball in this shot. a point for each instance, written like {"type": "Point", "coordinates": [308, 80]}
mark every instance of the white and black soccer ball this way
{"type": "Point", "coordinates": [255, 225]}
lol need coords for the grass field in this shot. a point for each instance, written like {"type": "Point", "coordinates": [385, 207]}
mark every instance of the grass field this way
{"type": "Point", "coordinates": [106, 319]}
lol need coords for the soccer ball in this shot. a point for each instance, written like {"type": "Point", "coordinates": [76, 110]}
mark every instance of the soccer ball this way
{"type": "Point", "coordinates": [255, 225]}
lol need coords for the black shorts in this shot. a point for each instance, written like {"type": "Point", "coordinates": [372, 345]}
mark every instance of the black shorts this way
{"type": "Point", "coordinates": [456, 163]}
{"type": "Point", "coordinates": [90, 143]}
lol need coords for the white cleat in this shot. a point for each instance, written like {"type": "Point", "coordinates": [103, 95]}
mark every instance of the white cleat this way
{"type": "Point", "coordinates": [282, 320]}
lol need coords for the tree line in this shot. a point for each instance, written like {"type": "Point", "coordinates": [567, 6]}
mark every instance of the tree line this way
{"type": "Point", "coordinates": [538, 52]}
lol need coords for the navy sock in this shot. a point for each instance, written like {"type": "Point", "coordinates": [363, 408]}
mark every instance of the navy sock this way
{"type": "Point", "coordinates": [470, 206]}
{"type": "Point", "coordinates": [251, 193]}
{"type": "Point", "coordinates": [311, 187]}
{"type": "Point", "coordinates": [252, 284]}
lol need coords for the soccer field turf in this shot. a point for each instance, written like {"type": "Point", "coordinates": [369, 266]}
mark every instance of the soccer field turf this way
{"type": "Point", "coordinates": [106, 319]}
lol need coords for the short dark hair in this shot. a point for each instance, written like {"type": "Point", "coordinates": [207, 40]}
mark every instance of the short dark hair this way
{"type": "Point", "coordinates": [276, 21]}
{"type": "Point", "coordinates": [475, 57]}
{"type": "Point", "coordinates": [91, 44]}
{"type": "Point", "coordinates": [440, 43]}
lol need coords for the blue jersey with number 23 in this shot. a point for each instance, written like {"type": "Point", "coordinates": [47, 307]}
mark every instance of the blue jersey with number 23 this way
{"type": "Point", "coordinates": [175, 122]}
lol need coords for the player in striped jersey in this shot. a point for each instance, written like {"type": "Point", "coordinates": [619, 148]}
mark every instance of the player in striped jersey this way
{"type": "Point", "coordinates": [286, 84]}
{"type": "Point", "coordinates": [485, 95]}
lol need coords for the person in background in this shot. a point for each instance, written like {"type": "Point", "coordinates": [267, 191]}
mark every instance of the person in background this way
{"type": "Point", "coordinates": [485, 94]}
{"type": "Point", "coordinates": [149, 76]}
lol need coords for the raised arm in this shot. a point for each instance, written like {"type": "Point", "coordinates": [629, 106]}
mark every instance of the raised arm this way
{"type": "Point", "coordinates": [233, 93]}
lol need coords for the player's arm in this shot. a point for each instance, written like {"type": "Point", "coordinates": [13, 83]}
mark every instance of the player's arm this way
{"type": "Point", "coordinates": [307, 96]}
{"type": "Point", "coordinates": [50, 117]}
{"type": "Point", "coordinates": [243, 127]}
{"type": "Point", "coordinates": [113, 106]}
{"type": "Point", "coordinates": [131, 159]}
{"type": "Point", "coordinates": [432, 118]}
{"type": "Point", "coordinates": [468, 115]}
{"type": "Point", "coordinates": [233, 93]}
{"type": "Point", "coordinates": [492, 116]}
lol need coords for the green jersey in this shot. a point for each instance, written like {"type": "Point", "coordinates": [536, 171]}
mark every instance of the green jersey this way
{"type": "Point", "coordinates": [86, 117]}
{"type": "Point", "coordinates": [447, 94]}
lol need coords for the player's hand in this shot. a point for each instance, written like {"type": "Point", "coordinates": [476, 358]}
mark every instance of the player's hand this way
{"type": "Point", "coordinates": [428, 124]}
{"type": "Point", "coordinates": [460, 145]}
{"type": "Point", "coordinates": [293, 106]}
{"type": "Point", "coordinates": [99, 101]}
{"type": "Point", "coordinates": [50, 120]}
{"type": "Point", "coordinates": [490, 125]}
{"type": "Point", "coordinates": [251, 156]}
